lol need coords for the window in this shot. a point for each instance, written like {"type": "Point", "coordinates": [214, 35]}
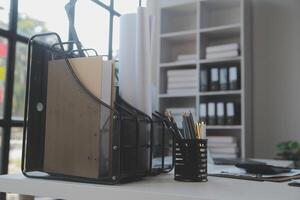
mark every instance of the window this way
{"type": "Point", "coordinates": [87, 12]}
{"type": "Point", "coordinates": [106, 2]}
{"type": "Point", "coordinates": [3, 63]}
{"type": "Point", "coordinates": [116, 38]}
{"type": "Point", "coordinates": [123, 7]}
{"type": "Point", "coordinates": [18, 105]}
{"type": "Point", "coordinates": [97, 25]}
{"type": "Point", "coordinates": [42, 16]}
{"type": "Point", "coordinates": [4, 13]}
{"type": "Point", "coordinates": [15, 150]}
{"type": "Point", "coordinates": [1, 138]}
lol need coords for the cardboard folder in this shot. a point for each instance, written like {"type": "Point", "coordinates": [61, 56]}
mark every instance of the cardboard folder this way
{"type": "Point", "coordinates": [76, 125]}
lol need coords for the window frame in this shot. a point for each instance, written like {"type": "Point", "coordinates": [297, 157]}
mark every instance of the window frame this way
{"type": "Point", "coordinates": [12, 36]}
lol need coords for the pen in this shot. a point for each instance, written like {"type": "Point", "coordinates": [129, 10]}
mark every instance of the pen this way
{"type": "Point", "coordinates": [203, 130]}
{"type": "Point", "coordinates": [192, 124]}
{"type": "Point", "coordinates": [173, 126]}
{"type": "Point", "coordinates": [198, 131]}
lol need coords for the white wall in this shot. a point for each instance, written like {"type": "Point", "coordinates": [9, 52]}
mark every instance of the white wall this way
{"type": "Point", "coordinates": [276, 62]}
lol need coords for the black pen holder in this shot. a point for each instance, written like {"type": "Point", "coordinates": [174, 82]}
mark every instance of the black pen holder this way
{"type": "Point", "coordinates": [191, 160]}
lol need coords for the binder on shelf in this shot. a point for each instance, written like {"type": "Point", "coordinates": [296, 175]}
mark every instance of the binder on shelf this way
{"type": "Point", "coordinates": [211, 113]}
{"type": "Point", "coordinates": [223, 78]}
{"type": "Point", "coordinates": [203, 112]}
{"type": "Point", "coordinates": [233, 78]}
{"type": "Point", "coordinates": [203, 80]}
{"type": "Point", "coordinates": [220, 113]}
{"type": "Point", "coordinates": [94, 141]}
{"type": "Point", "coordinates": [214, 79]}
{"type": "Point", "coordinates": [231, 113]}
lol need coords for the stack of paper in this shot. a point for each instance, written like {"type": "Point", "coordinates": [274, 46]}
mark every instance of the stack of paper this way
{"type": "Point", "coordinates": [222, 51]}
{"type": "Point", "coordinates": [135, 64]}
{"type": "Point", "coordinates": [223, 146]}
{"type": "Point", "coordinates": [177, 114]}
{"type": "Point", "coordinates": [182, 81]}
{"type": "Point", "coordinates": [185, 57]}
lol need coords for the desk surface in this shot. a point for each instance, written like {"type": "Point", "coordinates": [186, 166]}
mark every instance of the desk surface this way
{"type": "Point", "coordinates": [161, 187]}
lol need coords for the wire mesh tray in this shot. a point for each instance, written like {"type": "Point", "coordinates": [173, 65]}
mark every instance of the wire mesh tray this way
{"type": "Point", "coordinates": [70, 134]}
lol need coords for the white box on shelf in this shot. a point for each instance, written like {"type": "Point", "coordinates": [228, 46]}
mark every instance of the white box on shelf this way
{"type": "Point", "coordinates": [182, 72]}
{"type": "Point", "coordinates": [182, 57]}
{"type": "Point", "coordinates": [222, 48]}
{"type": "Point", "coordinates": [224, 54]}
{"type": "Point", "coordinates": [182, 85]}
{"type": "Point", "coordinates": [183, 79]}
{"type": "Point", "coordinates": [221, 139]}
{"type": "Point", "coordinates": [224, 155]}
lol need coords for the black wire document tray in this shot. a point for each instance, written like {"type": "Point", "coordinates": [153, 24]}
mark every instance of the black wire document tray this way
{"type": "Point", "coordinates": [71, 134]}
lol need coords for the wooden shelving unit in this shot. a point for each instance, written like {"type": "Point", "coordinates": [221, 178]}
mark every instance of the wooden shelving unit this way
{"type": "Point", "coordinates": [187, 28]}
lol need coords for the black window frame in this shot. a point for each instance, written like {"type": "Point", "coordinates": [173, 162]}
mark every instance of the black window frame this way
{"type": "Point", "coordinates": [12, 36]}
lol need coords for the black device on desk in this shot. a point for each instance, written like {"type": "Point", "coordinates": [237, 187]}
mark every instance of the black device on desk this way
{"type": "Point", "coordinates": [295, 183]}
{"type": "Point", "coordinates": [262, 168]}
{"type": "Point", "coordinates": [234, 161]}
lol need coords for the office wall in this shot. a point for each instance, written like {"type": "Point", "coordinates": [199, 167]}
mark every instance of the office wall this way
{"type": "Point", "coordinates": [276, 74]}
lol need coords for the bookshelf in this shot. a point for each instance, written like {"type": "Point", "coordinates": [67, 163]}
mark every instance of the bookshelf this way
{"type": "Point", "coordinates": [188, 27]}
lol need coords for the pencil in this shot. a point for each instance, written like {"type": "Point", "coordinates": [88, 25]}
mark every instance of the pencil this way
{"type": "Point", "coordinates": [203, 130]}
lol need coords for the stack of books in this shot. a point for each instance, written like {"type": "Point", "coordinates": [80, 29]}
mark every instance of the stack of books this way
{"type": "Point", "coordinates": [187, 57]}
{"type": "Point", "coordinates": [182, 81]}
{"type": "Point", "coordinates": [223, 147]}
{"type": "Point", "coordinates": [178, 112]}
{"type": "Point", "coordinates": [222, 51]}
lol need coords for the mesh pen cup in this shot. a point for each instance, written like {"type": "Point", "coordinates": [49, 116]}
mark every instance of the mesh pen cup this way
{"type": "Point", "coordinates": [191, 160]}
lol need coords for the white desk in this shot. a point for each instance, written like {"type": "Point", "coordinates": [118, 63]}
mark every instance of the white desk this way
{"type": "Point", "coordinates": [161, 187]}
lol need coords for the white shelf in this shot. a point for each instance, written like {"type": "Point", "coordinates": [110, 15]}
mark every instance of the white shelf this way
{"type": "Point", "coordinates": [222, 29]}
{"type": "Point", "coordinates": [217, 23]}
{"type": "Point", "coordinates": [179, 17]}
{"type": "Point", "coordinates": [216, 13]}
{"type": "Point", "coordinates": [177, 44]}
{"type": "Point", "coordinates": [225, 92]}
{"type": "Point", "coordinates": [178, 34]}
{"type": "Point", "coordinates": [224, 127]}
{"type": "Point", "coordinates": [177, 95]}
{"type": "Point", "coordinates": [218, 60]}
{"type": "Point", "coordinates": [179, 63]}
{"type": "Point", "coordinates": [220, 33]}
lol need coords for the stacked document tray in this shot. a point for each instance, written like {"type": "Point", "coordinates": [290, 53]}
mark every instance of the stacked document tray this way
{"type": "Point", "coordinates": [71, 134]}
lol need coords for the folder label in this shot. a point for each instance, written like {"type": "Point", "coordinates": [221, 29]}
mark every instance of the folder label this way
{"type": "Point", "coordinates": [223, 75]}
{"type": "Point", "coordinates": [211, 109]}
{"type": "Point", "coordinates": [220, 109]}
{"type": "Point", "coordinates": [214, 74]}
{"type": "Point", "coordinates": [233, 74]}
{"type": "Point", "coordinates": [230, 109]}
{"type": "Point", "coordinates": [203, 110]}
